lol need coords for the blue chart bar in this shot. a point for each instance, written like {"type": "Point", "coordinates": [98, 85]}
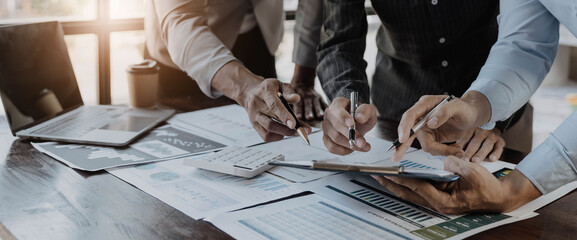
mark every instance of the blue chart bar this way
{"type": "Point", "coordinates": [407, 163]}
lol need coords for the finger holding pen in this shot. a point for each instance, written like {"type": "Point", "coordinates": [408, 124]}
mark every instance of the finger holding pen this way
{"type": "Point", "coordinates": [417, 117]}
{"type": "Point", "coordinates": [337, 122]}
{"type": "Point", "coordinates": [448, 122]}
{"type": "Point", "coordinates": [264, 105]}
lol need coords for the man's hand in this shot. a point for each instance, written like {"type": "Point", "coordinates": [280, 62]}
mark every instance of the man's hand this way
{"type": "Point", "coordinates": [476, 190]}
{"type": "Point", "coordinates": [449, 123]}
{"type": "Point", "coordinates": [481, 144]}
{"type": "Point", "coordinates": [337, 122]}
{"type": "Point", "coordinates": [312, 105]}
{"type": "Point", "coordinates": [260, 99]}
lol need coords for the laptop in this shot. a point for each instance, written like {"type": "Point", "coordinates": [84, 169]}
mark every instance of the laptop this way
{"type": "Point", "coordinates": [41, 96]}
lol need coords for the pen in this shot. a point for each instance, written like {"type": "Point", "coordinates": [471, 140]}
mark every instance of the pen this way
{"type": "Point", "coordinates": [298, 125]}
{"type": "Point", "coordinates": [336, 166]}
{"type": "Point", "coordinates": [352, 130]}
{"type": "Point", "coordinates": [421, 122]}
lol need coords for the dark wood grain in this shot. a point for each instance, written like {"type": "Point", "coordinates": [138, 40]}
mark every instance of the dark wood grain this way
{"type": "Point", "coordinates": [40, 198]}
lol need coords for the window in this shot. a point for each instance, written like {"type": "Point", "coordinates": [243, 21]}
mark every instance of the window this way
{"type": "Point", "coordinates": [88, 25]}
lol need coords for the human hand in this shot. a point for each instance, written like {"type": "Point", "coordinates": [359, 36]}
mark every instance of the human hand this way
{"type": "Point", "coordinates": [481, 144]}
{"type": "Point", "coordinates": [476, 190]}
{"type": "Point", "coordinates": [448, 123]}
{"type": "Point", "coordinates": [312, 105]}
{"type": "Point", "coordinates": [337, 122]}
{"type": "Point", "coordinates": [259, 97]}
{"type": "Point", "coordinates": [264, 107]}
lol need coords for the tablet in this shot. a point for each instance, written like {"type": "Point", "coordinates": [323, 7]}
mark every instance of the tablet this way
{"type": "Point", "coordinates": [396, 171]}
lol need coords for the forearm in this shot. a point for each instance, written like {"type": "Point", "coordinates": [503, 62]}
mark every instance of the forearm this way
{"type": "Point", "coordinates": [234, 80]}
{"type": "Point", "coordinates": [480, 104]}
{"type": "Point", "coordinates": [303, 77]}
{"type": "Point", "coordinates": [518, 191]}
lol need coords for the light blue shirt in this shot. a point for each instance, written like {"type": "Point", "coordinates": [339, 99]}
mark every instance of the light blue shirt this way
{"type": "Point", "coordinates": [516, 66]}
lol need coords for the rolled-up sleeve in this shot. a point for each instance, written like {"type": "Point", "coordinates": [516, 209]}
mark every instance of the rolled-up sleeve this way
{"type": "Point", "coordinates": [521, 57]}
{"type": "Point", "coordinates": [309, 19]}
{"type": "Point", "coordinates": [553, 163]}
{"type": "Point", "coordinates": [191, 44]}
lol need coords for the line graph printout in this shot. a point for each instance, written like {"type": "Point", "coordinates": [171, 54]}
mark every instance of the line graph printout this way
{"type": "Point", "coordinates": [307, 217]}
{"type": "Point", "coordinates": [160, 144]}
{"type": "Point", "coordinates": [199, 193]}
{"type": "Point", "coordinates": [228, 124]}
{"type": "Point", "coordinates": [367, 198]}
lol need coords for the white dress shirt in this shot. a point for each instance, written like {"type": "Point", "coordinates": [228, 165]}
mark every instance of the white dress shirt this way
{"type": "Point", "coordinates": [516, 66]}
{"type": "Point", "coordinates": [196, 35]}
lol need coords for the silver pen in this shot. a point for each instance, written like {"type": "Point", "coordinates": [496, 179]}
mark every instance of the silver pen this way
{"type": "Point", "coordinates": [352, 130]}
{"type": "Point", "coordinates": [421, 122]}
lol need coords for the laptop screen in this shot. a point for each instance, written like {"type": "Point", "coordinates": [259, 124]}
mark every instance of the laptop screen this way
{"type": "Point", "coordinates": [37, 81]}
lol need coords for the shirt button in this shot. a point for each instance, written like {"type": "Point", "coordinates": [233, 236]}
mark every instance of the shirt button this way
{"type": "Point", "coordinates": [442, 40]}
{"type": "Point", "coordinates": [444, 63]}
{"type": "Point", "coordinates": [434, 2]}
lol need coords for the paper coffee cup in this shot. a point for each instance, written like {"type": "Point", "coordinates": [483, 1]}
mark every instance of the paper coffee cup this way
{"type": "Point", "coordinates": [572, 99]}
{"type": "Point", "coordinates": [143, 84]}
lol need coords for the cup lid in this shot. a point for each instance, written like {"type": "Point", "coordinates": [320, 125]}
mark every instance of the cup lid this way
{"type": "Point", "coordinates": [146, 66]}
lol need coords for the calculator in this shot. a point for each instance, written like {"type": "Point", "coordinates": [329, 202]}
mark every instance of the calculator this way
{"type": "Point", "coordinates": [236, 160]}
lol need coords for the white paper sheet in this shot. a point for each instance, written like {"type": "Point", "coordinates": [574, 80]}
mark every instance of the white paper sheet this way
{"type": "Point", "coordinates": [317, 217]}
{"type": "Point", "coordinates": [163, 143]}
{"type": "Point", "coordinates": [307, 217]}
{"type": "Point", "coordinates": [227, 124]}
{"type": "Point", "coordinates": [367, 198]}
{"type": "Point", "coordinates": [199, 193]}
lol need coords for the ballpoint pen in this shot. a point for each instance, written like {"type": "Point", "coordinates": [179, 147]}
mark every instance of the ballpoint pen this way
{"type": "Point", "coordinates": [352, 130]}
{"type": "Point", "coordinates": [298, 125]}
{"type": "Point", "coordinates": [421, 122]}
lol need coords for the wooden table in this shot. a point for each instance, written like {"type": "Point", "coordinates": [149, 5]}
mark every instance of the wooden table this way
{"type": "Point", "coordinates": [40, 198]}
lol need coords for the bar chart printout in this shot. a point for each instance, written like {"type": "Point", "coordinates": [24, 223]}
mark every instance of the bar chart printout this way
{"type": "Point", "coordinates": [364, 196]}
{"type": "Point", "coordinates": [308, 217]}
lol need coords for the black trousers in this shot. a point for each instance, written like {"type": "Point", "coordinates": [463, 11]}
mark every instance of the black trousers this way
{"type": "Point", "coordinates": [250, 48]}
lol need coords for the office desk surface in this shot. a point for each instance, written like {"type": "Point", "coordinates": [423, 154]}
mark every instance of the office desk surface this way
{"type": "Point", "coordinates": [40, 198]}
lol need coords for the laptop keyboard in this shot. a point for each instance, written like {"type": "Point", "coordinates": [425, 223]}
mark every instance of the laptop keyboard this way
{"type": "Point", "coordinates": [80, 122]}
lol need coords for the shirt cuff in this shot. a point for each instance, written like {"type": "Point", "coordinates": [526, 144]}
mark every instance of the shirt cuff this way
{"type": "Point", "coordinates": [205, 80]}
{"type": "Point", "coordinates": [494, 92]}
{"type": "Point", "coordinates": [552, 164]}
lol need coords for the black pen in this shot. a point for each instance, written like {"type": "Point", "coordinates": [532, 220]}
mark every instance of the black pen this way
{"type": "Point", "coordinates": [352, 130]}
{"type": "Point", "coordinates": [421, 122]}
{"type": "Point", "coordinates": [298, 125]}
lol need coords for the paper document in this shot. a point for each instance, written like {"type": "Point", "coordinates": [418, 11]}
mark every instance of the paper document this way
{"type": "Point", "coordinates": [160, 144]}
{"type": "Point", "coordinates": [369, 199]}
{"type": "Point", "coordinates": [359, 208]}
{"type": "Point", "coordinates": [200, 193]}
{"type": "Point", "coordinates": [307, 217]}
{"type": "Point", "coordinates": [228, 124]}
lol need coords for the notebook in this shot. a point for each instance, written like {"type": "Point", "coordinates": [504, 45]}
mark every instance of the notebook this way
{"type": "Point", "coordinates": [41, 96]}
